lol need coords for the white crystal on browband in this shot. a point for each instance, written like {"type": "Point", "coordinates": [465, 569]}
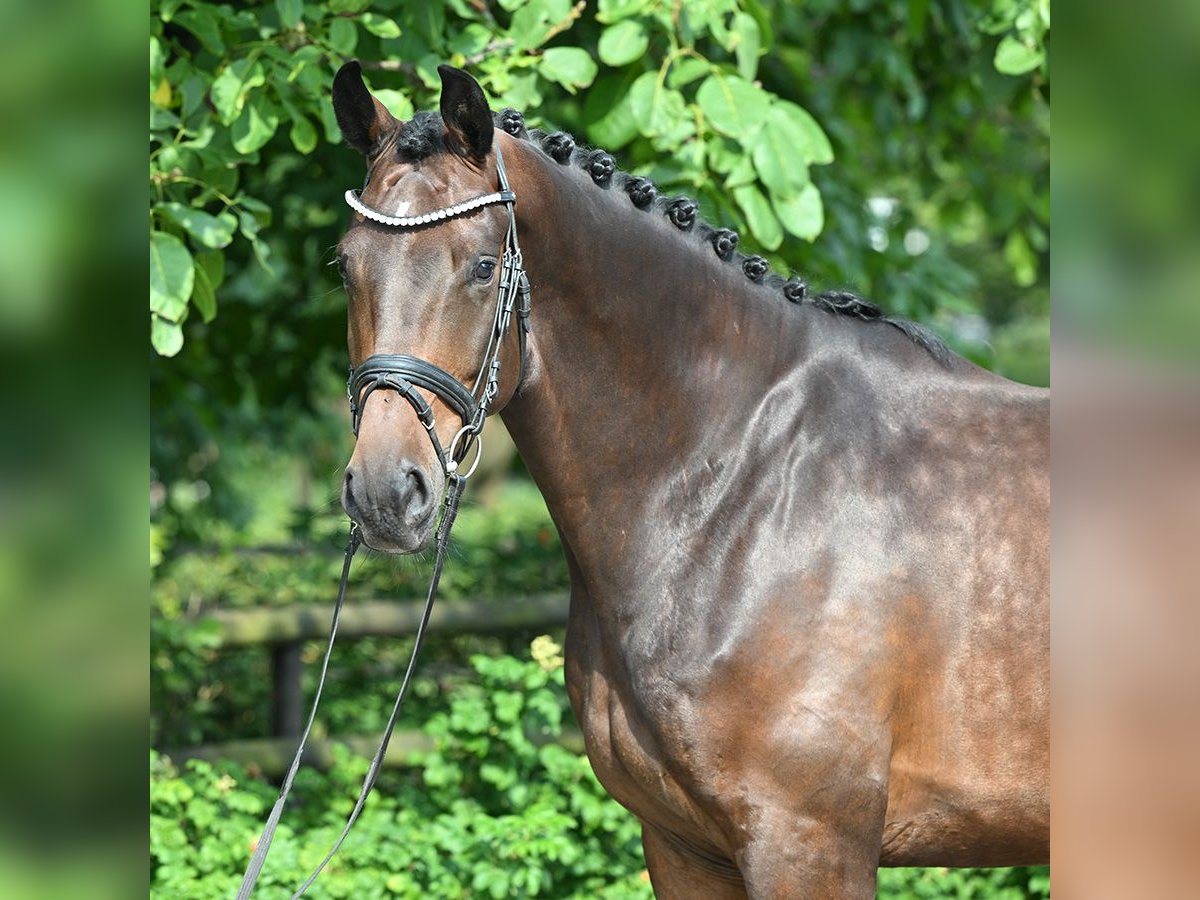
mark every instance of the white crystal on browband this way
{"type": "Point", "coordinates": [447, 212]}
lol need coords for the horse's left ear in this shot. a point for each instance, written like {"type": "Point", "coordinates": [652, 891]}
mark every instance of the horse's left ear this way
{"type": "Point", "coordinates": [466, 113]}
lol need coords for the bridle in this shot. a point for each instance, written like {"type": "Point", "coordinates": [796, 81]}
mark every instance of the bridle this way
{"type": "Point", "coordinates": [405, 374]}
{"type": "Point", "coordinates": [408, 375]}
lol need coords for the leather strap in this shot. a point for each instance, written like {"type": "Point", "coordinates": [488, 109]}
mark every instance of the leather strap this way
{"type": "Point", "coordinates": [406, 374]}
{"type": "Point", "coordinates": [264, 842]}
{"type": "Point", "coordinates": [450, 507]}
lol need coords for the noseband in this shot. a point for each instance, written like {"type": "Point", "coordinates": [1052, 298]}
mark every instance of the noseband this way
{"type": "Point", "coordinates": [405, 374]}
{"type": "Point", "coordinates": [408, 375]}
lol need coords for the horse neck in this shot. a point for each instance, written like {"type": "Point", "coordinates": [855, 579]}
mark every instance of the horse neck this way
{"type": "Point", "coordinates": [644, 347]}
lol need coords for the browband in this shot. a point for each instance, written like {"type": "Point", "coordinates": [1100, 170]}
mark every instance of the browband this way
{"type": "Point", "coordinates": [437, 215]}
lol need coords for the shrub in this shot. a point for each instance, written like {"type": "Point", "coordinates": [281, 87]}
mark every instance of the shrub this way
{"type": "Point", "coordinates": [497, 809]}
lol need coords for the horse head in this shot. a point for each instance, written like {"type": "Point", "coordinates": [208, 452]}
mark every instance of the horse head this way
{"type": "Point", "coordinates": [424, 263]}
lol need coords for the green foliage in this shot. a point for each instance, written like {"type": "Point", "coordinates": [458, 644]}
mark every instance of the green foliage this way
{"type": "Point", "coordinates": [202, 693]}
{"type": "Point", "coordinates": [943, 884]}
{"type": "Point", "coordinates": [691, 92]}
{"type": "Point", "coordinates": [1025, 26]}
{"type": "Point", "coordinates": [898, 147]}
{"type": "Point", "coordinates": [495, 810]}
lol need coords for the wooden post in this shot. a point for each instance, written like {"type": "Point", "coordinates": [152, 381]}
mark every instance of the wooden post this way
{"type": "Point", "coordinates": [286, 699]}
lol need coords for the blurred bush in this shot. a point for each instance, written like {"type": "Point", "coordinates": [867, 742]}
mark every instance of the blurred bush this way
{"type": "Point", "coordinates": [201, 693]}
{"type": "Point", "coordinates": [493, 811]}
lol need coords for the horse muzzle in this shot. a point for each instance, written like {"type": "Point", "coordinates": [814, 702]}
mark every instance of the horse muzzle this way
{"type": "Point", "coordinates": [395, 507]}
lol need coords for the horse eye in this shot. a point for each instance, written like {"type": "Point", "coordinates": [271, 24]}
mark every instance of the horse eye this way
{"type": "Point", "coordinates": [484, 269]}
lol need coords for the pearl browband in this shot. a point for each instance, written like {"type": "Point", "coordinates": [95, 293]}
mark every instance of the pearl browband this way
{"type": "Point", "coordinates": [438, 215]}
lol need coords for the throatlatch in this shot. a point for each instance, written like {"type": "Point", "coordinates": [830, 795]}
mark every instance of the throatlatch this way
{"type": "Point", "coordinates": [408, 375]}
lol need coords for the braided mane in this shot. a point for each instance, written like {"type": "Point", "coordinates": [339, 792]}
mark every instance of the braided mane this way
{"type": "Point", "coordinates": [422, 137]}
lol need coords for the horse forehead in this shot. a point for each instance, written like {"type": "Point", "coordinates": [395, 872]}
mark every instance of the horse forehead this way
{"type": "Point", "coordinates": [432, 182]}
{"type": "Point", "coordinates": [400, 189]}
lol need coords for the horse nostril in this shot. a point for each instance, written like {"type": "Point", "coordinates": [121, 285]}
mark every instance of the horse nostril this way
{"type": "Point", "coordinates": [419, 495]}
{"type": "Point", "coordinates": [349, 502]}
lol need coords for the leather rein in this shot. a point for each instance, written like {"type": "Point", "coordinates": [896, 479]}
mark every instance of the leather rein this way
{"type": "Point", "coordinates": [408, 375]}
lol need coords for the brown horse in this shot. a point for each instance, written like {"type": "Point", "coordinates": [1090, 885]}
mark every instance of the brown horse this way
{"type": "Point", "coordinates": [808, 546]}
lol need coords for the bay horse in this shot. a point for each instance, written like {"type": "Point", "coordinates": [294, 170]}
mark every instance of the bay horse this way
{"type": "Point", "coordinates": [808, 545]}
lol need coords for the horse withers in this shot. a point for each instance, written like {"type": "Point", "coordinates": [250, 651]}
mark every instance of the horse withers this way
{"type": "Point", "coordinates": [808, 545]}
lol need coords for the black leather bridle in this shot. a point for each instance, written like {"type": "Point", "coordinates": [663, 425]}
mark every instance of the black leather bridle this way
{"type": "Point", "coordinates": [408, 375]}
{"type": "Point", "coordinates": [405, 374]}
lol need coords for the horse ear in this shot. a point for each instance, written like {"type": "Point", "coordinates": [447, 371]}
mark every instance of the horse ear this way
{"type": "Point", "coordinates": [363, 119]}
{"type": "Point", "coordinates": [466, 113]}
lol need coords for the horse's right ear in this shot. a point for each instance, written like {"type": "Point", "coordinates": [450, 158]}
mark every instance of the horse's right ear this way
{"type": "Point", "coordinates": [363, 119]}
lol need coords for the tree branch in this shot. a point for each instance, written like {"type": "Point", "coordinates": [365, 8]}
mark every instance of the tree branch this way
{"type": "Point", "coordinates": [494, 47]}
{"type": "Point", "coordinates": [575, 13]}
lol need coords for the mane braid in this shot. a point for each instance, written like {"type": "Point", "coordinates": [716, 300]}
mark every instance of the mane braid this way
{"type": "Point", "coordinates": [561, 148]}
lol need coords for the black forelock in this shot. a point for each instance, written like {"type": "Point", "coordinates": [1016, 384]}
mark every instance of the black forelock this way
{"type": "Point", "coordinates": [420, 137]}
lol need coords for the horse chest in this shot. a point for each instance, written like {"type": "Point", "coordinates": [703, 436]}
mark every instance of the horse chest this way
{"type": "Point", "coordinates": [643, 760]}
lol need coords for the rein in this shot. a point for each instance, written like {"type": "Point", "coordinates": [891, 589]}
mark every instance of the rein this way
{"type": "Point", "coordinates": [407, 375]}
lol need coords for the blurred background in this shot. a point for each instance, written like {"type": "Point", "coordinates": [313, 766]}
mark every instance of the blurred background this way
{"type": "Point", "coordinates": [899, 148]}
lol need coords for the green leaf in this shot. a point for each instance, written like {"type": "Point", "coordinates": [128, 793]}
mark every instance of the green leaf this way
{"type": "Point", "coordinates": [658, 111]}
{"type": "Point", "coordinates": [379, 25]}
{"type": "Point", "coordinates": [333, 133]}
{"type": "Point", "coordinates": [343, 36]}
{"type": "Point", "coordinates": [166, 337]}
{"type": "Point", "coordinates": [303, 134]}
{"type": "Point", "coordinates": [802, 215]}
{"type": "Point", "coordinates": [1021, 260]}
{"type": "Point", "coordinates": [809, 136]}
{"type": "Point", "coordinates": [204, 295]}
{"type": "Point", "coordinates": [254, 127]}
{"type": "Point", "coordinates": [209, 230]}
{"type": "Point", "coordinates": [532, 22]}
{"type": "Point", "coordinates": [348, 6]}
{"type": "Point", "coordinates": [1016, 58]}
{"type": "Point", "coordinates": [213, 264]}
{"type": "Point", "coordinates": [747, 44]}
{"type": "Point", "coordinates": [157, 62]}
{"type": "Point", "coordinates": [918, 15]}
{"type": "Point", "coordinates": [763, 224]}
{"type": "Point", "coordinates": [571, 67]}
{"type": "Point", "coordinates": [779, 159]}
{"type": "Point", "coordinates": [171, 276]}
{"type": "Point", "coordinates": [231, 87]}
{"type": "Point", "coordinates": [609, 113]}
{"type": "Point", "coordinates": [396, 102]}
{"type": "Point", "coordinates": [472, 39]}
{"type": "Point", "coordinates": [205, 26]}
{"type": "Point", "coordinates": [686, 70]}
{"type": "Point", "coordinates": [622, 43]}
{"type": "Point", "coordinates": [733, 105]}
{"type": "Point", "coordinates": [193, 90]}
{"type": "Point", "coordinates": [741, 173]}
{"type": "Point", "coordinates": [290, 12]}
{"type": "Point", "coordinates": [610, 11]}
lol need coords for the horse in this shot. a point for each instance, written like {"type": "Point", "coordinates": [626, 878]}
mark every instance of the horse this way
{"type": "Point", "coordinates": [808, 545]}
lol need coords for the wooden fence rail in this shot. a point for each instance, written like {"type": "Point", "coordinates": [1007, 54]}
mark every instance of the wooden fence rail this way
{"type": "Point", "coordinates": [285, 628]}
{"type": "Point", "coordinates": [385, 618]}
